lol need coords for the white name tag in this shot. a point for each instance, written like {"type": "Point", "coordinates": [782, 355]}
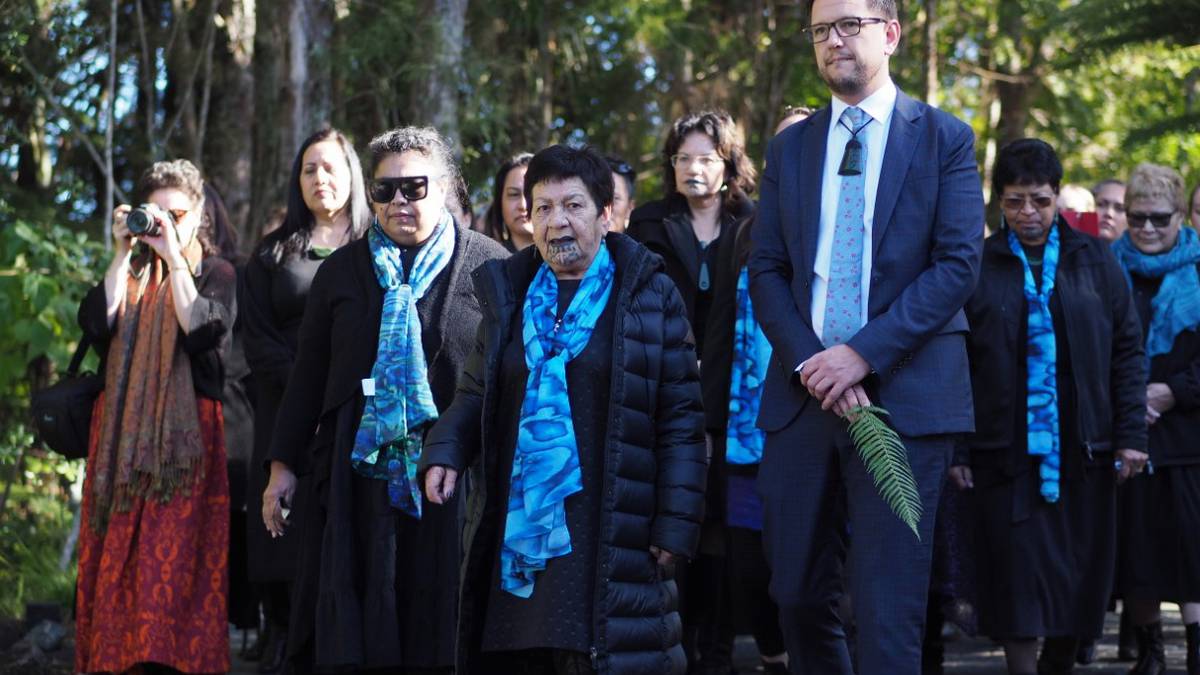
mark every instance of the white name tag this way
{"type": "Point", "coordinates": [368, 386]}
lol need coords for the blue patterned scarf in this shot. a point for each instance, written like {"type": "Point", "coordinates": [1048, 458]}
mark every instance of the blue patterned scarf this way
{"type": "Point", "coordinates": [388, 442]}
{"type": "Point", "coordinates": [1176, 306]}
{"type": "Point", "coordinates": [545, 467]}
{"type": "Point", "coordinates": [751, 353]}
{"type": "Point", "coordinates": [1041, 363]}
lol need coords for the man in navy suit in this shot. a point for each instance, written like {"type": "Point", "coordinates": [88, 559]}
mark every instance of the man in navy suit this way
{"type": "Point", "coordinates": [866, 247]}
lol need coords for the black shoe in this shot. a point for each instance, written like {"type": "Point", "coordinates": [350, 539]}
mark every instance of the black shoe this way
{"type": "Point", "coordinates": [1086, 653]}
{"type": "Point", "coordinates": [774, 668]}
{"type": "Point", "coordinates": [1152, 658]}
{"type": "Point", "coordinates": [1126, 642]}
{"type": "Point", "coordinates": [1058, 655]}
{"type": "Point", "coordinates": [1192, 630]}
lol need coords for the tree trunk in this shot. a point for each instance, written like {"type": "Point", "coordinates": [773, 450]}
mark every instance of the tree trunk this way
{"type": "Point", "coordinates": [228, 147]}
{"type": "Point", "coordinates": [440, 100]}
{"type": "Point", "coordinates": [932, 80]}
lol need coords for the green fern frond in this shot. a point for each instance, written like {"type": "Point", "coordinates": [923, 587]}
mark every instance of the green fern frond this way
{"type": "Point", "coordinates": [887, 461]}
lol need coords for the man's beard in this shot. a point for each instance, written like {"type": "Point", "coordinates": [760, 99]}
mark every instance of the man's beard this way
{"type": "Point", "coordinates": [847, 85]}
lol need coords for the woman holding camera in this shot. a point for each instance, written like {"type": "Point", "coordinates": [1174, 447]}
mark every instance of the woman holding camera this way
{"type": "Point", "coordinates": [153, 575]}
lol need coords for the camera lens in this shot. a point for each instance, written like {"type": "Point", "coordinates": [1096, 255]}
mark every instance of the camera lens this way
{"type": "Point", "coordinates": [141, 223]}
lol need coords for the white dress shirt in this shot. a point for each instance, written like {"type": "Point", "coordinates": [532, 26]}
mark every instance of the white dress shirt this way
{"type": "Point", "coordinates": [879, 107]}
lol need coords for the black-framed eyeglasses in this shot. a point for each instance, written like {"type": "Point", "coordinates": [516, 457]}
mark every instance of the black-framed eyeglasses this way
{"type": "Point", "coordinates": [846, 27]}
{"type": "Point", "coordinates": [1138, 220]}
{"type": "Point", "coordinates": [1017, 202]}
{"type": "Point", "coordinates": [414, 188]}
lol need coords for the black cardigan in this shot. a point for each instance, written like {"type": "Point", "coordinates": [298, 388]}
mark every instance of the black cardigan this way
{"type": "Point", "coordinates": [1105, 337]}
{"type": "Point", "coordinates": [207, 344]}
{"type": "Point", "coordinates": [1173, 436]}
{"type": "Point", "coordinates": [654, 464]}
{"type": "Point", "coordinates": [339, 337]}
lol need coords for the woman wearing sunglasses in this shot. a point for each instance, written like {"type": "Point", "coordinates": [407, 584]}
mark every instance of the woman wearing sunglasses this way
{"type": "Point", "coordinates": [389, 321]}
{"type": "Point", "coordinates": [1160, 512]}
{"type": "Point", "coordinates": [1058, 373]}
{"type": "Point", "coordinates": [153, 574]}
{"type": "Point", "coordinates": [326, 209]}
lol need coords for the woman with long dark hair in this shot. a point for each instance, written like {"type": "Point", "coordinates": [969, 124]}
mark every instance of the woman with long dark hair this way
{"type": "Point", "coordinates": [507, 219]}
{"type": "Point", "coordinates": [326, 209]}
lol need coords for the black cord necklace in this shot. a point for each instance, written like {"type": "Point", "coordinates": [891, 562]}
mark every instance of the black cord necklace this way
{"type": "Point", "coordinates": [852, 159]}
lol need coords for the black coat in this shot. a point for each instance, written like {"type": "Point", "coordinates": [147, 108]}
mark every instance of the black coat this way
{"type": "Point", "coordinates": [663, 227]}
{"type": "Point", "coordinates": [1105, 338]}
{"type": "Point", "coordinates": [374, 588]}
{"type": "Point", "coordinates": [654, 465]}
{"type": "Point", "coordinates": [1173, 436]}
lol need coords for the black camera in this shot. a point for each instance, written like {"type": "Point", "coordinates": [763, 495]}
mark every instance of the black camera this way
{"type": "Point", "coordinates": [142, 223]}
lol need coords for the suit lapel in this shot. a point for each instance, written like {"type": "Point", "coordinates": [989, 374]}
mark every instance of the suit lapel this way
{"type": "Point", "coordinates": [811, 172]}
{"type": "Point", "coordinates": [902, 142]}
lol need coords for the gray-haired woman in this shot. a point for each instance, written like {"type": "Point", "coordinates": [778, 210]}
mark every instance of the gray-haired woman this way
{"type": "Point", "coordinates": [389, 322]}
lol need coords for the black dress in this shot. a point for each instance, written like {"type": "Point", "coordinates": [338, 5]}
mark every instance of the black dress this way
{"type": "Point", "coordinates": [272, 300]}
{"type": "Point", "coordinates": [558, 615]}
{"type": "Point", "coordinates": [1044, 569]}
{"type": "Point", "coordinates": [1160, 510]}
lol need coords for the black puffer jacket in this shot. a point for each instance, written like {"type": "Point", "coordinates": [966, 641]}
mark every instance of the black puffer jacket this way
{"type": "Point", "coordinates": [654, 465]}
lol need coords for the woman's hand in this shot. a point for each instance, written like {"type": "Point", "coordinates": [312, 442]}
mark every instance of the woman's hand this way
{"type": "Point", "coordinates": [277, 497]}
{"type": "Point", "coordinates": [122, 239]}
{"type": "Point", "coordinates": [665, 560]}
{"type": "Point", "coordinates": [166, 244]}
{"type": "Point", "coordinates": [1159, 398]}
{"type": "Point", "coordinates": [439, 484]}
{"type": "Point", "coordinates": [962, 477]}
{"type": "Point", "coordinates": [1130, 463]}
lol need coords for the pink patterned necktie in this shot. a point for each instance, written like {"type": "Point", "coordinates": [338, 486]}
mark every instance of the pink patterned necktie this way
{"type": "Point", "coordinates": [843, 299]}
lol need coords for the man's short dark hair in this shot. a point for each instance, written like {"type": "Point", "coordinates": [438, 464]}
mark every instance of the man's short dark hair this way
{"type": "Point", "coordinates": [885, 7]}
{"type": "Point", "coordinates": [1027, 161]}
{"type": "Point", "coordinates": [624, 170]}
{"type": "Point", "coordinates": [559, 162]}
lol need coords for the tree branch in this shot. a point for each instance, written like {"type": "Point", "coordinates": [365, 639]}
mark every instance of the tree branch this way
{"type": "Point", "coordinates": [39, 81]}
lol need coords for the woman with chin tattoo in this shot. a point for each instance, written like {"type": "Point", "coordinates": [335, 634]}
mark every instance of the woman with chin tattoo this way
{"type": "Point", "coordinates": [707, 182]}
{"type": "Point", "coordinates": [579, 418]}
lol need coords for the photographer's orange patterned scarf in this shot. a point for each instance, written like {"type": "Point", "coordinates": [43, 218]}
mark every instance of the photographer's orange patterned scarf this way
{"type": "Point", "coordinates": [149, 445]}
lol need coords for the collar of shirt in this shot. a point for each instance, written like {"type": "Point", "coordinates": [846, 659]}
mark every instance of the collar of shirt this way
{"type": "Point", "coordinates": [878, 105]}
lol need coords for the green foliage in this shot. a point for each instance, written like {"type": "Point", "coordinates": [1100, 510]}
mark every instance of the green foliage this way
{"type": "Point", "coordinates": [886, 460]}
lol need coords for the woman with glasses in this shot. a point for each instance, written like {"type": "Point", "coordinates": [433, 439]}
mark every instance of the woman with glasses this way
{"type": "Point", "coordinates": [1160, 512]}
{"type": "Point", "coordinates": [707, 181]}
{"type": "Point", "coordinates": [153, 574]}
{"type": "Point", "coordinates": [326, 209]}
{"type": "Point", "coordinates": [507, 218]}
{"type": "Point", "coordinates": [387, 326]}
{"type": "Point", "coordinates": [1059, 377]}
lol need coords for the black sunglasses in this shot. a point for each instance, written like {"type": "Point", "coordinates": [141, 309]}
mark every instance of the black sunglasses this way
{"type": "Point", "coordinates": [414, 188]}
{"type": "Point", "coordinates": [620, 168]}
{"type": "Point", "coordinates": [1158, 220]}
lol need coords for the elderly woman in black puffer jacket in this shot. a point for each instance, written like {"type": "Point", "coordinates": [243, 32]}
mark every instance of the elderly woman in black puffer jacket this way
{"type": "Point", "coordinates": [572, 529]}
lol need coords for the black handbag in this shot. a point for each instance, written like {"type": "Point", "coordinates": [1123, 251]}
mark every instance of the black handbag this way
{"type": "Point", "coordinates": [62, 412]}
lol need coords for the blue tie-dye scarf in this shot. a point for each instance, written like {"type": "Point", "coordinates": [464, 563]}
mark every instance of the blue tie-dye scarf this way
{"type": "Point", "coordinates": [388, 442]}
{"type": "Point", "coordinates": [1176, 306]}
{"type": "Point", "coordinates": [1041, 363]}
{"type": "Point", "coordinates": [751, 354]}
{"type": "Point", "coordinates": [545, 467]}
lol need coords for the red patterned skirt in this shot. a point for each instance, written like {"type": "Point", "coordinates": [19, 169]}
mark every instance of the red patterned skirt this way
{"type": "Point", "coordinates": [153, 588]}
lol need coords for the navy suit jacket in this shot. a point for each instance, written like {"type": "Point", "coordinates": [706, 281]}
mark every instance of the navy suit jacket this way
{"type": "Point", "coordinates": [927, 241]}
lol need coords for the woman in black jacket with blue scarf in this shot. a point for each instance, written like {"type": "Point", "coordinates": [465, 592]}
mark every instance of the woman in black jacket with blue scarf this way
{"type": "Point", "coordinates": [1160, 512]}
{"type": "Point", "coordinates": [388, 324]}
{"type": "Point", "coordinates": [1058, 374]}
{"type": "Point", "coordinates": [580, 420]}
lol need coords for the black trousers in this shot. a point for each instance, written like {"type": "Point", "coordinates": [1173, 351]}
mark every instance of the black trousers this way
{"type": "Point", "coordinates": [810, 534]}
{"type": "Point", "coordinates": [541, 662]}
{"type": "Point", "coordinates": [751, 597]}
